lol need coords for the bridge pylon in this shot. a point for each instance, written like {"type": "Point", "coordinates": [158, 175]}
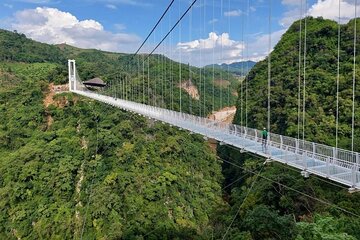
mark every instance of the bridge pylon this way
{"type": "Point", "coordinates": [72, 75]}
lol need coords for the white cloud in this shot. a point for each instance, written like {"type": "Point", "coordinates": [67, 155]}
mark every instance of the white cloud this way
{"type": "Point", "coordinates": [258, 47]}
{"type": "Point", "coordinates": [53, 26]}
{"type": "Point", "coordinates": [214, 49]}
{"type": "Point", "coordinates": [111, 6]}
{"type": "Point", "coordinates": [207, 51]}
{"type": "Point", "coordinates": [233, 13]}
{"type": "Point", "coordinates": [289, 17]}
{"type": "Point", "coordinates": [329, 9]}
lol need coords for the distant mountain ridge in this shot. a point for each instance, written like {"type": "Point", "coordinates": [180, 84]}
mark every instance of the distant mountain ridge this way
{"type": "Point", "coordinates": [238, 68]}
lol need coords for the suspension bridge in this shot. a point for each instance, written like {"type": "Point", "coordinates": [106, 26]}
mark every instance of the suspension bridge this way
{"type": "Point", "coordinates": [333, 163]}
{"type": "Point", "coordinates": [339, 165]}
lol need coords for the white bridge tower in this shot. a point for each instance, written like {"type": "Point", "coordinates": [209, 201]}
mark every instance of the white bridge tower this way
{"type": "Point", "coordinates": [72, 75]}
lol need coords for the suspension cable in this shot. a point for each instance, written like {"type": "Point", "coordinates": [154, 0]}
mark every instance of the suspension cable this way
{"type": "Point", "coordinates": [138, 98]}
{"type": "Point", "coordinates": [175, 25]}
{"type": "Point", "coordinates": [242, 203]}
{"type": "Point", "coordinates": [189, 68]}
{"type": "Point", "coordinates": [156, 25]}
{"type": "Point", "coordinates": [228, 66]}
{"type": "Point", "coordinates": [143, 87]}
{"type": "Point", "coordinates": [171, 70]}
{"type": "Point", "coordinates": [354, 82]}
{"type": "Point", "coordinates": [288, 187]}
{"type": "Point", "coordinates": [162, 76]}
{"type": "Point", "coordinates": [269, 68]}
{"type": "Point", "coordinates": [154, 92]}
{"type": "Point", "coordinates": [204, 69]}
{"type": "Point", "coordinates": [91, 186]}
{"type": "Point", "coordinates": [222, 54]}
{"type": "Point", "coordinates": [201, 60]}
{"type": "Point", "coordinates": [242, 69]}
{"type": "Point", "coordinates": [247, 64]}
{"type": "Point", "coordinates": [299, 77]}
{"type": "Point", "coordinates": [180, 67]}
{"type": "Point", "coordinates": [304, 77]}
{"type": "Point", "coordinates": [213, 60]}
{"type": "Point", "coordinates": [148, 82]}
{"type": "Point", "coordinates": [293, 189]}
{"type": "Point", "coordinates": [244, 175]}
{"type": "Point", "coordinates": [338, 78]}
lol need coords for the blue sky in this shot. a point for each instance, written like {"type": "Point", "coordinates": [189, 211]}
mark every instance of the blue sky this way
{"type": "Point", "coordinates": [214, 31]}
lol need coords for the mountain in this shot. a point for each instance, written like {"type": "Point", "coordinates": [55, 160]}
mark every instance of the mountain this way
{"type": "Point", "coordinates": [278, 203]}
{"type": "Point", "coordinates": [73, 168]}
{"type": "Point", "coordinates": [237, 68]}
{"type": "Point", "coordinates": [16, 47]}
{"type": "Point", "coordinates": [321, 77]}
{"type": "Point", "coordinates": [158, 86]}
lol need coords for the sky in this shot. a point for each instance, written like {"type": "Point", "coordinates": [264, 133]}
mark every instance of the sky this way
{"type": "Point", "coordinates": [214, 31]}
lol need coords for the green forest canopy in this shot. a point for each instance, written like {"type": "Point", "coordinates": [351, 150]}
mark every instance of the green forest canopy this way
{"type": "Point", "coordinates": [133, 178]}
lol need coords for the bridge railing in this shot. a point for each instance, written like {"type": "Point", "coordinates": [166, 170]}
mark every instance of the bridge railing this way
{"type": "Point", "coordinates": [324, 153]}
{"type": "Point", "coordinates": [321, 152]}
{"type": "Point", "coordinates": [302, 150]}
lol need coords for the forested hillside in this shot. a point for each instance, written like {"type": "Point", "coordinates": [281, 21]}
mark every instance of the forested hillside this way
{"type": "Point", "coordinates": [321, 76]}
{"type": "Point", "coordinates": [158, 79]}
{"type": "Point", "coordinates": [274, 201]}
{"type": "Point", "coordinates": [77, 168]}
{"type": "Point", "coordinates": [74, 168]}
{"type": "Point", "coordinates": [158, 76]}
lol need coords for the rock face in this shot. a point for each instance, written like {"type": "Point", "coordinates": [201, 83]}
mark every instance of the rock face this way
{"type": "Point", "coordinates": [191, 89]}
{"type": "Point", "coordinates": [224, 115]}
{"type": "Point", "coordinates": [52, 90]}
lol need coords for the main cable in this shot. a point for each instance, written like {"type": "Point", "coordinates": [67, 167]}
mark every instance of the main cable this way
{"type": "Point", "coordinates": [156, 25]}
{"type": "Point", "coordinates": [170, 31]}
{"type": "Point", "coordinates": [242, 203]}
{"type": "Point", "coordinates": [285, 186]}
{"type": "Point", "coordinates": [293, 189]}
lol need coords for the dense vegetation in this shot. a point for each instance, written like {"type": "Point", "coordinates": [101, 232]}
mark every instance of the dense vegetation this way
{"type": "Point", "coordinates": [274, 201]}
{"type": "Point", "coordinates": [321, 76]}
{"type": "Point", "coordinates": [237, 68]}
{"type": "Point", "coordinates": [80, 168]}
{"type": "Point", "coordinates": [16, 47]}
{"type": "Point", "coordinates": [156, 80]}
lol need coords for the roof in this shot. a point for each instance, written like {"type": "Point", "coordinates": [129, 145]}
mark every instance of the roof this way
{"type": "Point", "coordinates": [97, 82]}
